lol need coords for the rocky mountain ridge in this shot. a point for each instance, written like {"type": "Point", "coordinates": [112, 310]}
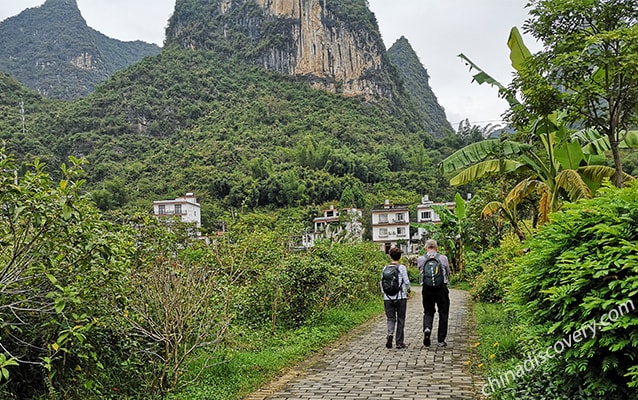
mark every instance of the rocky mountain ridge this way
{"type": "Point", "coordinates": [53, 51]}
{"type": "Point", "coordinates": [309, 38]}
{"type": "Point", "coordinates": [416, 81]}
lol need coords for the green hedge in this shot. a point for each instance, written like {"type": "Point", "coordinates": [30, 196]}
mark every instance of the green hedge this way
{"type": "Point", "coordinates": [581, 269]}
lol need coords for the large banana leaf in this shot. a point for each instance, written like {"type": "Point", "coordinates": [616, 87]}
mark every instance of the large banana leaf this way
{"type": "Point", "coordinates": [631, 140]}
{"type": "Point", "coordinates": [597, 173]}
{"type": "Point", "coordinates": [573, 184]}
{"type": "Point", "coordinates": [522, 190]}
{"type": "Point", "coordinates": [518, 51]}
{"type": "Point", "coordinates": [483, 169]}
{"type": "Point", "coordinates": [469, 155]}
{"type": "Point", "coordinates": [593, 142]}
{"type": "Point", "coordinates": [569, 154]}
{"type": "Point", "coordinates": [459, 210]}
{"type": "Point", "coordinates": [482, 77]}
{"type": "Point", "coordinates": [544, 208]}
{"type": "Point", "coordinates": [479, 151]}
{"type": "Point", "coordinates": [491, 208]}
{"type": "Point", "coordinates": [518, 54]}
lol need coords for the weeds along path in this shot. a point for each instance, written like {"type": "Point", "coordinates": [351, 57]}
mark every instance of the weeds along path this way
{"type": "Point", "coordinates": [360, 366]}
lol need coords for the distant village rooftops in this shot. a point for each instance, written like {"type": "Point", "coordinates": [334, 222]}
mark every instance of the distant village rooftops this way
{"type": "Point", "coordinates": [387, 205]}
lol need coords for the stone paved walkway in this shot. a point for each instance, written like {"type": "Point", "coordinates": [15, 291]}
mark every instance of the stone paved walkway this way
{"type": "Point", "coordinates": [362, 368]}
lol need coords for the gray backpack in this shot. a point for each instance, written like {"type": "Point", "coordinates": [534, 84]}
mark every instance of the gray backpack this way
{"type": "Point", "coordinates": [433, 275]}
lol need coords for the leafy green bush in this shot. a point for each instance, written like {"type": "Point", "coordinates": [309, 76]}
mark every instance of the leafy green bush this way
{"type": "Point", "coordinates": [288, 291]}
{"type": "Point", "coordinates": [582, 268]}
{"type": "Point", "coordinates": [60, 268]}
{"type": "Point", "coordinates": [494, 268]}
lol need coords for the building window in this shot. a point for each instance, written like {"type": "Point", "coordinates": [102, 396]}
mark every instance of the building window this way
{"type": "Point", "coordinates": [400, 217]}
{"type": "Point", "coordinates": [426, 215]}
{"type": "Point", "coordinates": [400, 231]}
{"type": "Point", "coordinates": [161, 209]}
{"type": "Point", "coordinates": [383, 218]}
{"type": "Point", "coordinates": [383, 232]}
{"type": "Point", "coordinates": [178, 209]}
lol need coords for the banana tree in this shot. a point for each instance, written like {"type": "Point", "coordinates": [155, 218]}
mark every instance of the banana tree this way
{"type": "Point", "coordinates": [453, 228]}
{"type": "Point", "coordinates": [557, 165]}
{"type": "Point", "coordinates": [556, 168]}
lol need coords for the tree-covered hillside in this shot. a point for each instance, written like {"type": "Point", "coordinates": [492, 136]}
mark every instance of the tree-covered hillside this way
{"type": "Point", "coordinates": [234, 134]}
{"type": "Point", "coordinates": [416, 81]}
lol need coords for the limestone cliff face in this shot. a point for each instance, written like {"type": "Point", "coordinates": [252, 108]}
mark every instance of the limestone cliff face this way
{"type": "Point", "coordinates": [297, 37]}
{"type": "Point", "coordinates": [333, 52]}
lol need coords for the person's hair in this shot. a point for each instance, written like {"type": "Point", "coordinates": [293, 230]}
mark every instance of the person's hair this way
{"type": "Point", "coordinates": [395, 253]}
{"type": "Point", "coordinates": [431, 244]}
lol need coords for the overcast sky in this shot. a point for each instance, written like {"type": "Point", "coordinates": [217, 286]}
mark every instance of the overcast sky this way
{"type": "Point", "coordinates": [438, 30]}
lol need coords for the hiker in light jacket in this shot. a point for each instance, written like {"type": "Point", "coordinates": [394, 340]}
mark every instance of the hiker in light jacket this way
{"type": "Point", "coordinates": [396, 305]}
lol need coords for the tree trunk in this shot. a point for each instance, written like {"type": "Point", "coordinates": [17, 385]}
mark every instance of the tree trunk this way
{"type": "Point", "coordinates": [619, 177]}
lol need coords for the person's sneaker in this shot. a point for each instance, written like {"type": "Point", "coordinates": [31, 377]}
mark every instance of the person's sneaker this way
{"type": "Point", "coordinates": [402, 346]}
{"type": "Point", "coordinates": [426, 337]}
{"type": "Point", "coordinates": [388, 344]}
{"type": "Point", "coordinates": [442, 344]}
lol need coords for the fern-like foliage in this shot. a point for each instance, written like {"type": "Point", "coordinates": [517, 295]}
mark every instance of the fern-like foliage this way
{"type": "Point", "coordinates": [579, 284]}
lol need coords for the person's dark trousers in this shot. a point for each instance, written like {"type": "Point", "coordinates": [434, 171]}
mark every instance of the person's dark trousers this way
{"type": "Point", "coordinates": [395, 313]}
{"type": "Point", "coordinates": [441, 298]}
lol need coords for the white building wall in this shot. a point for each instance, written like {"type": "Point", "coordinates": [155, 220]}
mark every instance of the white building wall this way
{"type": "Point", "coordinates": [186, 207]}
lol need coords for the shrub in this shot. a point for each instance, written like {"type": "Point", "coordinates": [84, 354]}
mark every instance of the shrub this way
{"type": "Point", "coordinates": [293, 289]}
{"type": "Point", "coordinates": [57, 277]}
{"type": "Point", "coordinates": [494, 268]}
{"type": "Point", "coordinates": [581, 266]}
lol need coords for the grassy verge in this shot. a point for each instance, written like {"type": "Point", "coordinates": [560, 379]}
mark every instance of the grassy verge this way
{"type": "Point", "coordinates": [238, 373]}
{"type": "Point", "coordinates": [497, 346]}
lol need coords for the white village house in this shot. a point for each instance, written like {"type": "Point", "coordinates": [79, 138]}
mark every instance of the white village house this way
{"type": "Point", "coordinates": [186, 207]}
{"type": "Point", "coordinates": [425, 214]}
{"type": "Point", "coordinates": [391, 224]}
{"type": "Point", "coordinates": [345, 224]}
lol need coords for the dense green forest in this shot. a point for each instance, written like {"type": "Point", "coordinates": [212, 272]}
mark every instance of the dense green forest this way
{"type": "Point", "coordinates": [236, 135]}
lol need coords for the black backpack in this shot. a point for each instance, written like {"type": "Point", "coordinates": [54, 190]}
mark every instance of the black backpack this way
{"type": "Point", "coordinates": [433, 275]}
{"type": "Point", "coordinates": [390, 280]}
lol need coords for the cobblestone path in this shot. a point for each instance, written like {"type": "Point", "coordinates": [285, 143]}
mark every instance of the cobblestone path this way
{"type": "Point", "coordinates": [362, 368]}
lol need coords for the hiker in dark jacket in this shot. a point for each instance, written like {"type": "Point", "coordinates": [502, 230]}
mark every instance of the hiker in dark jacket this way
{"type": "Point", "coordinates": [396, 305]}
{"type": "Point", "coordinates": [438, 296]}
